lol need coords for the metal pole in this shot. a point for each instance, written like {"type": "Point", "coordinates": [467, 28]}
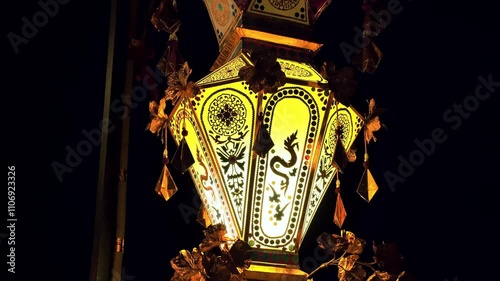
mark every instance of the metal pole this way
{"type": "Point", "coordinates": [124, 147]}
{"type": "Point", "coordinates": [100, 263]}
{"type": "Point", "coordinates": [122, 185]}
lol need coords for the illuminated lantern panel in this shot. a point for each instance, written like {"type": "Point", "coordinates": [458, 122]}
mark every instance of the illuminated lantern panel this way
{"type": "Point", "coordinates": [225, 15]}
{"type": "Point", "coordinates": [204, 171]}
{"type": "Point", "coordinates": [293, 11]}
{"type": "Point", "coordinates": [267, 201]}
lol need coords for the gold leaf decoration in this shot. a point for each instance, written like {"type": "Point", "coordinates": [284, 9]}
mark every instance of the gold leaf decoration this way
{"type": "Point", "coordinates": [372, 121]}
{"type": "Point", "coordinates": [265, 74]}
{"type": "Point", "coordinates": [188, 266]}
{"type": "Point", "coordinates": [159, 119]}
{"type": "Point", "coordinates": [178, 85]}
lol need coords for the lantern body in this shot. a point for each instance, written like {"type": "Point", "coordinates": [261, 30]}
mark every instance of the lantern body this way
{"type": "Point", "coordinates": [267, 200]}
{"type": "Point", "coordinates": [268, 196]}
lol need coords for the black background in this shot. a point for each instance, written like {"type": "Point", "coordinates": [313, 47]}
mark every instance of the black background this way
{"type": "Point", "coordinates": [443, 215]}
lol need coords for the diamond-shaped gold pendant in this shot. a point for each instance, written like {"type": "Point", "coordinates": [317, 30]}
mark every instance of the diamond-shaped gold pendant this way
{"type": "Point", "coordinates": [367, 186]}
{"type": "Point", "coordinates": [340, 213]}
{"type": "Point", "coordinates": [166, 186]}
{"type": "Point", "coordinates": [203, 217]}
{"type": "Point", "coordinates": [183, 159]}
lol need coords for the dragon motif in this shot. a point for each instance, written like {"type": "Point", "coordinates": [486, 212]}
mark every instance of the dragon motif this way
{"type": "Point", "coordinates": [204, 176]}
{"type": "Point", "coordinates": [290, 143]}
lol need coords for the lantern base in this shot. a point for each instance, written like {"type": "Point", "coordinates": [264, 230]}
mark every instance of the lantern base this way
{"type": "Point", "coordinates": [260, 272]}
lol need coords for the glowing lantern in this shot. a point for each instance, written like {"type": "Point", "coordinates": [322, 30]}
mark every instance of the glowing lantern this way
{"type": "Point", "coordinates": [267, 199]}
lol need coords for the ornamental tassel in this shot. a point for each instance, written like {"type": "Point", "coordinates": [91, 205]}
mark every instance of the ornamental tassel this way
{"type": "Point", "coordinates": [340, 213]}
{"type": "Point", "coordinates": [367, 186]}
{"type": "Point", "coordinates": [165, 187]}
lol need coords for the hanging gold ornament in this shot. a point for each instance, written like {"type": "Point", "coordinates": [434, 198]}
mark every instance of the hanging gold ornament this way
{"type": "Point", "coordinates": [263, 141]}
{"type": "Point", "coordinates": [183, 158]}
{"type": "Point", "coordinates": [166, 19]}
{"type": "Point", "coordinates": [159, 119]}
{"type": "Point", "coordinates": [368, 59]}
{"type": "Point", "coordinates": [179, 88]}
{"type": "Point", "coordinates": [367, 186]}
{"type": "Point", "coordinates": [166, 186]}
{"type": "Point", "coordinates": [203, 217]}
{"type": "Point", "coordinates": [340, 213]}
{"type": "Point", "coordinates": [172, 59]}
{"type": "Point", "coordinates": [340, 158]}
{"type": "Point", "coordinates": [166, 16]}
{"type": "Point", "coordinates": [372, 121]}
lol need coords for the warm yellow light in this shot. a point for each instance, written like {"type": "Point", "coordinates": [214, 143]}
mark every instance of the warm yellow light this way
{"type": "Point", "coordinates": [268, 201]}
{"type": "Point", "coordinates": [233, 45]}
{"type": "Point", "coordinates": [274, 273]}
{"type": "Point", "coordinates": [277, 39]}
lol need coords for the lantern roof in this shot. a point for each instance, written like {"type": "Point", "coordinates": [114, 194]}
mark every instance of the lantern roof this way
{"type": "Point", "coordinates": [284, 24]}
{"type": "Point", "coordinates": [298, 72]}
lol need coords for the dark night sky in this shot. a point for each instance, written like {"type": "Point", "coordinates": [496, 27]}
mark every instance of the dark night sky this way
{"type": "Point", "coordinates": [441, 215]}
